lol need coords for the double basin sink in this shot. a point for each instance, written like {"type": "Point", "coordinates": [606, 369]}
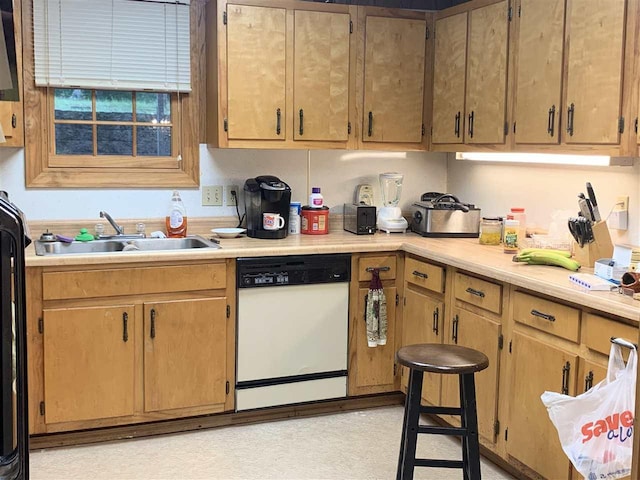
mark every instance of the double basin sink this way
{"type": "Point", "coordinates": [114, 245]}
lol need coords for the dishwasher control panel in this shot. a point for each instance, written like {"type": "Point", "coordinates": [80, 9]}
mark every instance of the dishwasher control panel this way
{"type": "Point", "coordinates": [261, 279]}
{"type": "Point", "coordinates": [293, 270]}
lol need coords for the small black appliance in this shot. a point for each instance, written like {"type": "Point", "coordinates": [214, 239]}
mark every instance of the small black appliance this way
{"type": "Point", "coordinates": [266, 194]}
{"type": "Point", "coordinates": [359, 219]}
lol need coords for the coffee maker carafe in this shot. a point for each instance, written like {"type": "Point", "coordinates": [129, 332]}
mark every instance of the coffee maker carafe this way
{"type": "Point", "coordinates": [266, 194]}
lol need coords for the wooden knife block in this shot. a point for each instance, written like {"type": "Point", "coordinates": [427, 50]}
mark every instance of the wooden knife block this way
{"type": "Point", "coordinates": [601, 247]}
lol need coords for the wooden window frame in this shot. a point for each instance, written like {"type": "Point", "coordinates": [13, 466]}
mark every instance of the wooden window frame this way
{"type": "Point", "coordinates": [43, 169]}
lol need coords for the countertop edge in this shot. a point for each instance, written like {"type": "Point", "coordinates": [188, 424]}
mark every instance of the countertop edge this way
{"type": "Point", "coordinates": [465, 254]}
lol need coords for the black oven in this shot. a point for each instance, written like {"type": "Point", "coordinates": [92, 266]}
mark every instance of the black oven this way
{"type": "Point", "coordinates": [14, 431]}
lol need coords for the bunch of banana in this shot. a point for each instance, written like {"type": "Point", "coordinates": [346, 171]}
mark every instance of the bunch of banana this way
{"type": "Point", "coordinates": [545, 256]}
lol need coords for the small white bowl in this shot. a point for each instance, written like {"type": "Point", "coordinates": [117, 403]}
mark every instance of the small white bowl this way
{"type": "Point", "coordinates": [228, 232]}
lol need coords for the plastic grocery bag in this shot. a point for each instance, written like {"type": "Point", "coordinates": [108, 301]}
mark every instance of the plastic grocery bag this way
{"type": "Point", "coordinates": [596, 427]}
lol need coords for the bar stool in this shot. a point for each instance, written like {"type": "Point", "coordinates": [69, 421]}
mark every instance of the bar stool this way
{"type": "Point", "coordinates": [450, 360]}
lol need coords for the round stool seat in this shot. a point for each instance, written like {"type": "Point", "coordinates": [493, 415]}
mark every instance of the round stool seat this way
{"type": "Point", "coordinates": [438, 358]}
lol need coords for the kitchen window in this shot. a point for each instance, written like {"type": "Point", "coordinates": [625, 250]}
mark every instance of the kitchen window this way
{"type": "Point", "coordinates": [96, 127]}
{"type": "Point", "coordinates": [104, 117]}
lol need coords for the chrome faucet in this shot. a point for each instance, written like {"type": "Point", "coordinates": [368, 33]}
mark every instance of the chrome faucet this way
{"type": "Point", "coordinates": [119, 230]}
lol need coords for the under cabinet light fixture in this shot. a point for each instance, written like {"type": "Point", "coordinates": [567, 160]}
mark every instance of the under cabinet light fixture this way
{"type": "Point", "coordinates": [545, 158]}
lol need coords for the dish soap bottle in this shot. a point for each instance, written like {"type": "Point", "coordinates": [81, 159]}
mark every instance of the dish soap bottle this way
{"type": "Point", "coordinates": [176, 221]}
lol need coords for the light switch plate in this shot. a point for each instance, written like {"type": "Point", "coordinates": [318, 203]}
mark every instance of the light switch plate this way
{"type": "Point", "coordinates": [212, 195]}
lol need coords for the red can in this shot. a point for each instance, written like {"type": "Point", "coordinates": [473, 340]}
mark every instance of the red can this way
{"type": "Point", "coordinates": [314, 221]}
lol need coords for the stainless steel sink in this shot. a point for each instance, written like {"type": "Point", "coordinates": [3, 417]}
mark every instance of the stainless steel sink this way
{"type": "Point", "coordinates": [123, 245]}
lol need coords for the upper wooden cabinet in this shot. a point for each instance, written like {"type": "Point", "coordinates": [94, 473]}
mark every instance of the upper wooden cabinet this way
{"type": "Point", "coordinates": [539, 71]}
{"type": "Point", "coordinates": [537, 75]}
{"type": "Point", "coordinates": [449, 79]}
{"type": "Point", "coordinates": [279, 74]}
{"type": "Point", "coordinates": [394, 70]}
{"type": "Point", "coordinates": [595, 39]}
{"type": "Point", "coordinates": [486, 92]}
{"type": "Point", "coordinates": [470, 76]}
{"type": "Point", "coordinates": [11, 109]}
{"type": "Point", "coordinates": [296, 74]}
{"type": "Point", "coordinates": [321, 76]}
{"type": "Point", "coordinates": [256, 87]}
{"type": "Point", "coordinates": [591, 110]}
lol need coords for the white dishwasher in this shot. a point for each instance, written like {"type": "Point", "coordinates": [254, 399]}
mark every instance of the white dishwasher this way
{"type": "Point", "coordinates": [292, 330]}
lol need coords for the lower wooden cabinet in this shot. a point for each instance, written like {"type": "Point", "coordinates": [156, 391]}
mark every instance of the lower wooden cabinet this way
{"type": "Point", "coordinates": [89, 363]}
{"type": "Point", "coordinates": [423, 323]}
{"type": "Point", "coordinates": [531, 438]}
{"type": "Point", "coordinates": [185, 354]}
{"type": "Point", "coordinates": [98, 360]}
{"type": "Point", "coordinates": [372, 369]}
{"type": "Point", "coordinates": [483, 334]}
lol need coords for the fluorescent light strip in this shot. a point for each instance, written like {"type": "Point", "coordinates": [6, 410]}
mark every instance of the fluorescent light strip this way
{"type": "Point", "coordinates": [554, 159]}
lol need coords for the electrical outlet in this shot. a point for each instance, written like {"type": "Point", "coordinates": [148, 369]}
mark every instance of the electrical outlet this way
{"type": "Point", "coordinates": [622, 204]}
{"type": "Point", "coordinates": [619, 216]}
{"type": "Point", "coordinates": [231, 199]}
{"type": "Point", "coordinates": [212, 195]}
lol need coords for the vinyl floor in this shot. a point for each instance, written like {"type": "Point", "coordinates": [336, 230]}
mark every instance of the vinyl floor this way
{"type": "Point", "coordinates": [358, 445]}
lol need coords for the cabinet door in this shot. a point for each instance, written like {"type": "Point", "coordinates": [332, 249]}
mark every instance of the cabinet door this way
{"type": "Point", "coordinates": [321, 76]}
{"type": "Point", "coordinates": [256, 72]}
{"type": "Point", "coordinates": [394, 80]}
{"type": "Point", "coordinates": [487, 74]}
{"type": "Point", "coordinates": [372, 368]}
{"type": "Point", "coordinates": [11, 108]}
{"type": "Point", "coordinates": [482, 334]}
{"type": "Point", "coordinates": [449, 79]}
{"type": "Point", "coordinates": [595, 37]}
{"type": "Point", "coordinates": [532, 438]}
{"type": "Point", "coordinates": [88, 363]}
{"type": "Point", "coordinates": [184, 353]}
{"type": "Point", "coordinates": [422, 323]}
{"type": "Point", "coordinates": [6, 119]}
{"type": "Point", "coordinates": [589, 374]}
{"type": "Point", "coordinates": [539, 77]}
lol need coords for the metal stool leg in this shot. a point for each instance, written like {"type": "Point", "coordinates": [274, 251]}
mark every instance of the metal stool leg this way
{"type": "Point", "coordinates": [470, 443]}
{"type": "Point", "coordinates": [406, 463]}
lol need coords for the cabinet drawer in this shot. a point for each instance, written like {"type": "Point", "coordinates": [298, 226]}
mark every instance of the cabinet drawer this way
{"type": "Point", "coordinates": [132, 281]}
{"type": "Point", "coordinates": [554, 318]}
{"type": "Point", "coordinates": [597, 332]}
{"type": "Point", "coordinates": [386, 264]}
{"type": "Point", "coordinates": [480, 293]}
{"type": "Point", "coordinates": [423, 274]}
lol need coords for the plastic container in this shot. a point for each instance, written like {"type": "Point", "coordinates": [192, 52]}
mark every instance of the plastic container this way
{"type": "Point", "coordinates": [314, 221]}
{"type": "Point", "coordinates": [518, 214]}
{"type": "Point", "coordinates": [510, 240]}
{"type": "Point", "coordinates": [490, 231]}
{"type": "Point", "coordinates": [315, 199]}
{"type": "Point", "coordinates": [176, 221]}
{"type": "Point", "coordinates": [294, 217]}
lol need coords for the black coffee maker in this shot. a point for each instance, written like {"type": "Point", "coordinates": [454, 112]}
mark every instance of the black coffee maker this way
{"type": "Point", "coordinates": [266, 194]}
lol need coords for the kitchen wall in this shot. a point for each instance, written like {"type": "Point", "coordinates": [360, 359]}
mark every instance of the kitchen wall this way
{"type": "Point", "coordinates": [543, 189]}
{"type": "Point", "coordinates": [337, 172]}
{"type": "Point", "coordinates": [494, 187]}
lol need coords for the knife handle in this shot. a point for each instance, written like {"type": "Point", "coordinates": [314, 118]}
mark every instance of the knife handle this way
{"type": "Point", "coordinates": [584, 209]}
{"type": "Point", "coordinates": [594, 203]}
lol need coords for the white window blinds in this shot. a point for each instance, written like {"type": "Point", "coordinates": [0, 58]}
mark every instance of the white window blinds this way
{"type": "Point", "coordinates": [112, 44]}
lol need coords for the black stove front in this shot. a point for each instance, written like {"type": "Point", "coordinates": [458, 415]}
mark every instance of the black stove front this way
{"type": "Point", "coordinates": [14, 431]}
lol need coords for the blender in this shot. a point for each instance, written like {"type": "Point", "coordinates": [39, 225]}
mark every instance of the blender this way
{"type": "Point", "coordinates": [390, 217]}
